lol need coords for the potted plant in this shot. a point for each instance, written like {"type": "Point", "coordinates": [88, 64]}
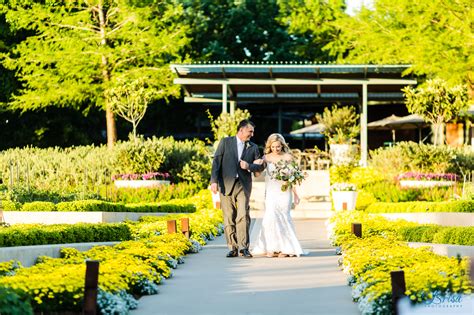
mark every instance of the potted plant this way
{"type": "Point", "coordinates": [340, 127]}
{"type": "Point", "coordinates": [344, 196]}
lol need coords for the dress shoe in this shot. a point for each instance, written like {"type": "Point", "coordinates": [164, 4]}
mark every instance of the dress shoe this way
{"type": "Point", "coordinates": [232, 253]}
{"type": "Point", "coordinates": [245, 253]}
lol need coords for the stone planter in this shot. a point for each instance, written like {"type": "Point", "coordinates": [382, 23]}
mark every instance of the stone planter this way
{"type": "Point", "coordinates": [425, 183]}
{"type": "Point", "coordinates": [344, 200]}
{"type": "Point", "coordinates": [121, 183]}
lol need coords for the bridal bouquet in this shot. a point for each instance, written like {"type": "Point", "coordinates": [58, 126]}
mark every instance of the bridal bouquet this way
{"type": "Point", "coordinates": [288, 172]}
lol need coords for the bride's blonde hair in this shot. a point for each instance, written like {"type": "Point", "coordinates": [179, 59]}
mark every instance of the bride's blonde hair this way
{"type": "Point", "coordinates": [274, 137]}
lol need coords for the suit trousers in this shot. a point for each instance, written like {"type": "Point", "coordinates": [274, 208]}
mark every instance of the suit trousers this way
{"type": "Point", "coordinates": [236, 212]}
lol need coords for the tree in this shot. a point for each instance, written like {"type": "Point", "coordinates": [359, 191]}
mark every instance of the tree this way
{"type": "Point", "coordinates": [130, 101]}
{"type": "Point", "coordinates": [225, 124]}
{"type": "Point", "coordinates": [247, 30]}
{"type": "Point", "coordinates": [341, 125]}
{"type": "Point", "coordinates": [81, 48]}
{"type": "Point", "coordinates": [313, 23]}
{"type": "Point", "coordinates": [437, 103]}
{"type": "Point", "coordinates": [435, 37]}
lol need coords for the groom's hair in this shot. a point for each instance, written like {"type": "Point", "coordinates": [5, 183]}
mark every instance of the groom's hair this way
{"type": "Point", "coordinates": [245, 123]}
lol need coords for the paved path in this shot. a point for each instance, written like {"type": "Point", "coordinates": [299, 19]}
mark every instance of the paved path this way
{"type": "Point", "coordinates": [211, 284]}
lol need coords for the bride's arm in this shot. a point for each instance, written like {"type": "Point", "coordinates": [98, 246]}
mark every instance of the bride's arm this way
{"type": "Point", "coordinates": [296, 198]}
{"type": "Point", "coordinates": [260, 162]}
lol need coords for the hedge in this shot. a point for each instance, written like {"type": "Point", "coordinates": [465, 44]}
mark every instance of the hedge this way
{"type": "Point", "coordinates": [174, 206]}
{"type": "Point", "coordinates": [438, 234]}
{"type": "Point", "coordinates": [38, 234]}
{"type": "Point", "coordinates": [422, 206]}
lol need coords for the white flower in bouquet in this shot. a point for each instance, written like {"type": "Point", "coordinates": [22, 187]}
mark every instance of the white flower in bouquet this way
{"type": "Point", "coordinates": [288, 172]}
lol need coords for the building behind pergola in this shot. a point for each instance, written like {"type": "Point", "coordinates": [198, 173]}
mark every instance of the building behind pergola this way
{"type": "Point", "coordinates": [233, 84]}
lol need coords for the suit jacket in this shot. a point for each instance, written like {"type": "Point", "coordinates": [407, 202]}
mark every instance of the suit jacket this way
{"type": "Point", "coordinates": [226, 165]}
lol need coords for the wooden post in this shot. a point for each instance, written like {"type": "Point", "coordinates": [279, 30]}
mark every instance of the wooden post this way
{"type": "Point", "coordinates": [356, 229]}
{"type": "Point", "coordinates": [171, 226]}
{"type": "Point", "coordinates": [90, 289]}
{"type": "Point", "coordinates": [185, 226]}
{"type": "Point", "coordinates": [398, 287]}
{"type": "Point", "coordinates": [2, 219]}
{"type": "Point", "coordinates": [471, 269]}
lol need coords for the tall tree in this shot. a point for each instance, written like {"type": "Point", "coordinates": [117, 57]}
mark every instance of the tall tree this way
{"type": "Point", "coordinates": [80, 48]}
{"type": "Point", "coordinates": [435, 36]}
{"type": "Point", "coordinates": [437, 103]}
{"type": "Point", "coordinates": [313, 23]}
{"type": "Point", "coordinates": [246, 30]}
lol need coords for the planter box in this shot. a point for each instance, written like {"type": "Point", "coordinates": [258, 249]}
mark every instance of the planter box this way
{"type": "Point", "coordinates": [425, 183]}
{"type": "Point", "coordinates": [120, 183]}
{"type": "Point", "coordinates": [344, 200]}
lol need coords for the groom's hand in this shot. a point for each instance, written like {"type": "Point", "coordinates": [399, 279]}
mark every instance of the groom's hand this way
{"type": "Point", "coordinates": [244, 165]}
{"type": "Point", "coordinates": [214, 188]}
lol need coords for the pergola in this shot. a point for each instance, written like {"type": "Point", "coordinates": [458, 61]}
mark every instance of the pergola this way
{"type": "Point", "coordinates": [233, 83]}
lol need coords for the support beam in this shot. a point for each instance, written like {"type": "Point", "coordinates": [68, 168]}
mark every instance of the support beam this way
{"type": "Point", "coordinates": [363, 128]}
{"type": "Point", "coordinates": [280, 119]}
{"type": "Point", "coordinates": [285, 81]}
{"type": "Point", "coordinates": [224, 98]}
{"type": "Point", "coordinates": [232, 107]}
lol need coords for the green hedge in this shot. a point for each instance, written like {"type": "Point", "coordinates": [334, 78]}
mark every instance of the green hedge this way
{"type": "Point", "coordinates": [422, 206]}
{"type": "Point", "coordinates": [38, 234]}
{"type": "Point", "coordinates": [438, 234]}
{"type": "Point", "coordinates": [173, 206]}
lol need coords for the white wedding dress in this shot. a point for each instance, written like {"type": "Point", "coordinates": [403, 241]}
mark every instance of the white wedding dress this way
{"type": "Point", "coordinates": [277, 233]}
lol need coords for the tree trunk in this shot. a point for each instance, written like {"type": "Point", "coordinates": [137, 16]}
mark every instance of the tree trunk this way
{"type": "Point", "coordinates": [111, 127]}
{"type": "Point", "coordinates": [109, 114]}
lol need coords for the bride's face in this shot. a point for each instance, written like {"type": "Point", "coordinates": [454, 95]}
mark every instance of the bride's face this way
{"type": "Point", "coordinates": [276, 147]}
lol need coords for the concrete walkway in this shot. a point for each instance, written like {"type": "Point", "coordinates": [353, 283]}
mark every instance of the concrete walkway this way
{"type": "Point", "coordinates": [211, 284]}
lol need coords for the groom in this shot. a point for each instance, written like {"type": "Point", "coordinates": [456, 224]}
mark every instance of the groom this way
{"type": "Point", "coordinates": [231, 169]}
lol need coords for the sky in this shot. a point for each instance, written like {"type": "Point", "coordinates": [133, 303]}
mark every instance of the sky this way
{"type": "Point", "coordinates": [356, 4]}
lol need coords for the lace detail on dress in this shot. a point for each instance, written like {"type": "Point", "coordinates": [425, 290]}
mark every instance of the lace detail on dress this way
{"type": "Point", "coordinates": [277, 232]}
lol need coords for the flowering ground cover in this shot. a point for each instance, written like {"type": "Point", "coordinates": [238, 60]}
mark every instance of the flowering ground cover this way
{"type": "Point", "coordinates": [127, 270]}
{"type": "Point", "coordinates": [369, 260]}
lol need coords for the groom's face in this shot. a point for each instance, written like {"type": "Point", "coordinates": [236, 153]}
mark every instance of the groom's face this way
{"type": "Point", "coordinates": [245, 133]}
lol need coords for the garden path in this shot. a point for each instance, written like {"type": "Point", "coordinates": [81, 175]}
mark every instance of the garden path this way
{"type": "Point", "coordinates": [209, 283]}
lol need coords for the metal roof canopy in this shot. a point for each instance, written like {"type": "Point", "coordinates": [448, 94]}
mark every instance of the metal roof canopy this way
{"type": "Point", "coordinates": [230, 83]}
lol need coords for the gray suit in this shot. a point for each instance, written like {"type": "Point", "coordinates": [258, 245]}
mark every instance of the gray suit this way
{"type": "Point", "coordinates": [235, 185]}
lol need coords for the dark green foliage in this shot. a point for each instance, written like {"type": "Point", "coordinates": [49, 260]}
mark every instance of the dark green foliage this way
{"type": "Point", "coordinates": [36, 234]}
{"type": "Point", "coordinates": [438, 234]}
{"type": "Point", "coordinates": [12, 304]}
{"type": "Point", "coordinates": [422, 206]}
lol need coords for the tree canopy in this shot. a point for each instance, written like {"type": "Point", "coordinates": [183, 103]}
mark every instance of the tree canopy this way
{"type": "Point", "coordinates": [435, 37]}
{"type": "Point", "coordinates": [80, 48]}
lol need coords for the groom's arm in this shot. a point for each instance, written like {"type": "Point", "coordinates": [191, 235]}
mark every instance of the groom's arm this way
{"type": "Point", "coordinates": [217, 162]}
{"type": "Point", "coordinates": [256, 167]}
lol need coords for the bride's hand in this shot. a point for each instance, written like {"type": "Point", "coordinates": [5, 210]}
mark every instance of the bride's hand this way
{"type": "Point", "coordinates": [258, 161]}
{"type": "Point", "coordinates": [296, 200]}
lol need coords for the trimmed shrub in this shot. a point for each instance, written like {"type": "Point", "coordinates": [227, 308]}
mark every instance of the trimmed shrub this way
{"type": "Point", "coordinates": [422, 206]}
{"type": "Point", "coordinates": [37, 234]}
{"type": "Point", "coordinates": [39, 206]}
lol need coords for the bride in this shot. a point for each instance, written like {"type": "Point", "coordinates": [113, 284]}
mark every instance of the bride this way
{"type": "Point", "coordinates": [277, 237]}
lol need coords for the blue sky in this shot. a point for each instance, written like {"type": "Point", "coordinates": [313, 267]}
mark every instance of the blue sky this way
{"type": "Point", "coordinates": [356, 4]}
